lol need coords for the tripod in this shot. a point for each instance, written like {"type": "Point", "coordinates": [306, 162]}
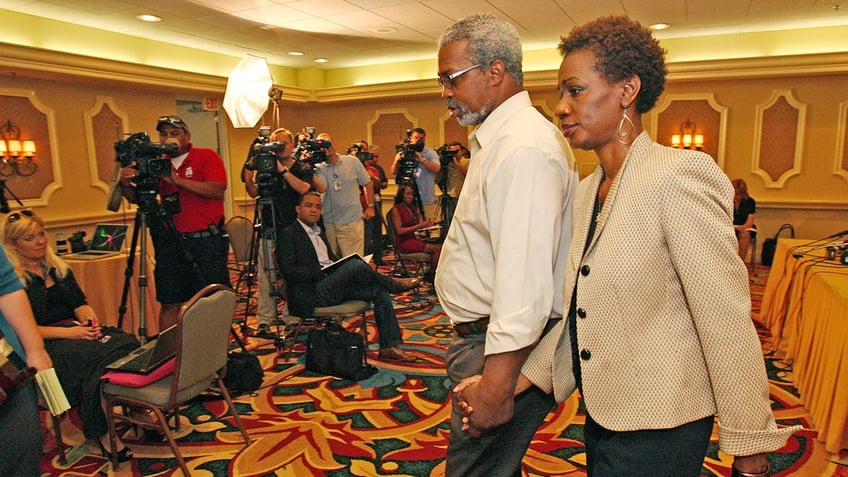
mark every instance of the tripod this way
{"type": "Point", "coordinates": [264, 236]}
{"type": "Point", "coordinates": [149, 207]}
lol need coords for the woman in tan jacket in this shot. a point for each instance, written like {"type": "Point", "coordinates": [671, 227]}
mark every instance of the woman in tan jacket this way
{"type": "Point", "coordinates": [659, 336]}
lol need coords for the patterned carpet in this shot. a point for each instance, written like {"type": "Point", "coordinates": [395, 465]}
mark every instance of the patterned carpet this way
{"type": "Point", "coordinates": [393, 424]}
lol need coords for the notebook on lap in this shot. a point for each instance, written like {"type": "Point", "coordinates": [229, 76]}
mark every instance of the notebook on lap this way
{"type": "Point", "coordinates": [153, 354]}
{"type": "Point", "coordinates": [108, 240]}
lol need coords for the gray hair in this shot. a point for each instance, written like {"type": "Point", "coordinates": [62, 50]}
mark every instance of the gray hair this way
{"type": "Point", "coordinates": [489, 38]}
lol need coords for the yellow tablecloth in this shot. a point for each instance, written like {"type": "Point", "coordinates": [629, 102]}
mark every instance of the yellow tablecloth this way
{"type": "Point", "coordinates": [102, 281]}
{"type": "Point", "coordinates": [805, 307]}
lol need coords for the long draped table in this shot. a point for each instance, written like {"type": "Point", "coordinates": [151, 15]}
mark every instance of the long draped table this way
{"type": "Point", "coordinates": [805, 307]}
{"type": "Point", "coordinates": [102, 281]}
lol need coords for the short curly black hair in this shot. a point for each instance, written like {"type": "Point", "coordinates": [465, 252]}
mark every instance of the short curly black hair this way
{"type": "Point", "coordinates": [623, 48]}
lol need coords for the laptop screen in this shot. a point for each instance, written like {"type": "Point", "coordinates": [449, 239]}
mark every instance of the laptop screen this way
{"type": "Point", "coordinates": [108, 237]}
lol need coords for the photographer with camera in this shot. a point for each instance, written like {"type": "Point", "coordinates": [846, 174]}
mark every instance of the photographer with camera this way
{"type": "Point", "coordinates": [191, 193]}
{"type": "Point", "coordinates": [454, 159]}
{"type": "Point", "coordinates": [343, 214]}
{"type": "Point", "coordinates": [283, 181]}
{"type": "Point", "coordinates": [373, 226]}
{"type": "Point", "coordinates": [416, 162]}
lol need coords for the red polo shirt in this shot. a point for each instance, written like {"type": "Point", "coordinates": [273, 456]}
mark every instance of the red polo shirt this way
{"type": "Point", "coordinates": [197, 213]}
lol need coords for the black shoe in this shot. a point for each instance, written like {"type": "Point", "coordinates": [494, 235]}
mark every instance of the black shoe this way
{"type": "Point", "coordinates": [123, 455]}
{"type": "Point", "coordinates": [264, 331]}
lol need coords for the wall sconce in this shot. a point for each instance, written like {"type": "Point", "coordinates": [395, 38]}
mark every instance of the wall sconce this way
{"type": "Point", "coordinates": [687, 139]}
{"type": "Point", "coordinates": [17, 156]}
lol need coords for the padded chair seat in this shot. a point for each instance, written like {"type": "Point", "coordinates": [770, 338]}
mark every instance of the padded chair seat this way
{"type": "Point", "coordinates": [159, 392]}
{"type": "Point", "coordinates": [350, 307]}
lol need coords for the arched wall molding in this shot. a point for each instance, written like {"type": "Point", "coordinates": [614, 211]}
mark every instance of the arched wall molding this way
{"type": "Point", "coordinates": [50, 117]}
{"type": "Point", "coordinates": [91, 142]}
{"type": "Point", "coordinates": [760, 167]}
{"type": "Point", "coordinates": [385, 112]}
{"type": "Point", "coordinates": [666, 102]}
{"type": "Point", "coordinates": [372, 138]}
{"type": "Point", "coordinates": [840, 160]}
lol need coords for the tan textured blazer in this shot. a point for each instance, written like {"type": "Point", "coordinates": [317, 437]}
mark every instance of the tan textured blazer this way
{"type": "Point", "coordinates": [664, 326]}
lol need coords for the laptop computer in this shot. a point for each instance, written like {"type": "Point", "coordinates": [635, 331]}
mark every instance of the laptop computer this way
{"type": "Point", "coordinates": [108, 240]}
{"type": "Point", "coordinates": [146, 359]}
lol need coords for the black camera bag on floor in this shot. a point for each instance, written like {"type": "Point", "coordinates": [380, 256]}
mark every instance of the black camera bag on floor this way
{"type": "Point", "coordinates": [244, 373]}
{"type": "Point", "coordinates": [337, 352]}
{"type": "Point", "coordinates": [770, 244]}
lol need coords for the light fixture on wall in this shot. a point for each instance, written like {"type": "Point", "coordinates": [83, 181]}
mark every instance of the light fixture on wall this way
{"type": "Point", "coordinates": [687, 139]}
{"type": "Point", "coordinates": [17, 156]}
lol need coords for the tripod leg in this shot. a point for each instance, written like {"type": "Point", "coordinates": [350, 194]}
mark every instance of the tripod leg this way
{"type": "Point", "coordinates": [128, 272]}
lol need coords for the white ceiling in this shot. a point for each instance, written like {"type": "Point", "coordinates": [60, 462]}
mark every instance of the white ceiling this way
{"type": "Point", "coordinates": [363, 32]}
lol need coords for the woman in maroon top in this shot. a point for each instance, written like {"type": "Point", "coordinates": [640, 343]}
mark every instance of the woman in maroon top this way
{"type": "Point", "coordinates": [405, 220]}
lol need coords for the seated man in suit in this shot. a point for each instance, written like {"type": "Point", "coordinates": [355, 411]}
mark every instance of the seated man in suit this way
{"type": "Point", "coordinates": [301, 252]}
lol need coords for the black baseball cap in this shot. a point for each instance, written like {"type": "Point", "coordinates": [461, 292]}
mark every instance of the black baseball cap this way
{"type": "Point", "coordinates": [174, 121]}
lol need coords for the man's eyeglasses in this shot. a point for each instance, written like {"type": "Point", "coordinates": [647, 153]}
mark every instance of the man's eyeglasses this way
{"type": "Point", "coordinates": [14, 217]}
{"type": "Point", "coordinates": [448, 81]}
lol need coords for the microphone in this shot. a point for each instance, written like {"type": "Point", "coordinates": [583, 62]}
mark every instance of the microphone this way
{"type": "Point", "coordinates": [844, 232]}
{"type": "Point", "coordinates": [819, 247]}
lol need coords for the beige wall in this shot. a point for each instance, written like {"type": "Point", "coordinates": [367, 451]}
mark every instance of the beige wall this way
{"type": "Point", "coordinates": [814, 201]}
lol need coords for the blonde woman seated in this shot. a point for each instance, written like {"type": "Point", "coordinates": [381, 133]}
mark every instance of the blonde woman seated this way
{"type": "Point", "coordinates": [405, 219]}
{"type": "Point", "coordinates": [744, 208]}
{"type": "Point", "coordinates": [79, 347]}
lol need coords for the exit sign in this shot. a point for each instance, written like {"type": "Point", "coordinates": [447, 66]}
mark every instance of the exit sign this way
{"type": "Point", "coordinates": [210, 104]}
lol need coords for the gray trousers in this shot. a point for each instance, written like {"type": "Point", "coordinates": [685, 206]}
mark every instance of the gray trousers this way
{"type": "Point", "coordinates": [499, 451]}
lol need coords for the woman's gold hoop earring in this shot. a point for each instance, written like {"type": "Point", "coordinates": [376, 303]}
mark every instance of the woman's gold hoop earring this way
{"type": "Point", "coordinates": [623, 125]}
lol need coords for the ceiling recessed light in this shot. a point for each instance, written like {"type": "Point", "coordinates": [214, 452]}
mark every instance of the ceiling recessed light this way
{"type": "Point", "coordinates": [296, 53]}
{"type": "Point", "coordinates": [321, 60]}
{"type": "Point", "coordinates": [384, 30]}
{"type": "Point", "coordinates": [146, 17]}
{"type": "Point", "coordinates": [660, 26]}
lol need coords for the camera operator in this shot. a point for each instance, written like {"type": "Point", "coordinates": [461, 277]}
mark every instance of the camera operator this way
{"type": "Point", "coordinates": [284, 187]}
{"type": "Point", "coordinates": [373, 226]}
{"type": "Point", "coordinates": [193, 196]}
{"type": "Point", "coordinates": [426, 167]}
{"type": "Point", "coordinates": [454, 158]}
{"type": "Point", "coordinates": [343, 214]}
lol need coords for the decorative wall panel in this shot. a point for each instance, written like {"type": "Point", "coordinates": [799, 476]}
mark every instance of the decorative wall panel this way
{"type": "Point", "coordinates": [840, 163]}
{"type": "Point", "coordinates": [105, 124]}
{"type": "Point", "coordinates": [388, 128]}
{"type": "Point", "coordinates": [778, 139]}
{"type": "Point", "coordinates": [35, 121]}
{"type": "Point", "coordinates": [702, 111]}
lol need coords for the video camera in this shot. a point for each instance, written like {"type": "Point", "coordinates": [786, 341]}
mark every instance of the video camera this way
{"type": "Point", "coordinates": [356, 150]}
{"type": "Point", "coordinates": [446, 157]}
{"type": "Point", "coordinates": [405, 171]}
{"type": "Point", "coordinates": [146, 154]}
{"type": "Point", "coordinates": [310, 150]}
{"type": "Point", "coordinates": [264, 154]}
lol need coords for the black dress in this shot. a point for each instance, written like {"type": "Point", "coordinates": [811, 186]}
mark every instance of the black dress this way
{"type": "Point", "coordinates": [78, 363]}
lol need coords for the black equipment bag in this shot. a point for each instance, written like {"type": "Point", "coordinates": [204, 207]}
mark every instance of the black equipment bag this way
{"type": "Point", "coordinates": [770, 244]}
{"type": "Point", "coordinates": [337, 352]}
{"type": "Point", "coordinates": [244, 373]}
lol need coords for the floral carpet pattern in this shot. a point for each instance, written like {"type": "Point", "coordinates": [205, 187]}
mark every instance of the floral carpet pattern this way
{"type": "Point", "coordinates": [392, 424]}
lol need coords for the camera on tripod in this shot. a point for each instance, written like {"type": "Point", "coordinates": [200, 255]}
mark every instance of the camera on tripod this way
{"type": "Point", "coordinates": [409, 150]}
{"type": "Point", "coordinates": [310, 150]}
{"type": "Point", "coordinates": [446, 157]}
{"type": "Point", "coordinates": [146, 154]}
{"type": "Point", "coordinates": [265, 158]}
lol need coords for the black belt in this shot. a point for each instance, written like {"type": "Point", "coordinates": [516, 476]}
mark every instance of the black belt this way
{"type": "Point", "coordinates": [471, 327]}
{"type": "Point", "coordinates": [201, 234]}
